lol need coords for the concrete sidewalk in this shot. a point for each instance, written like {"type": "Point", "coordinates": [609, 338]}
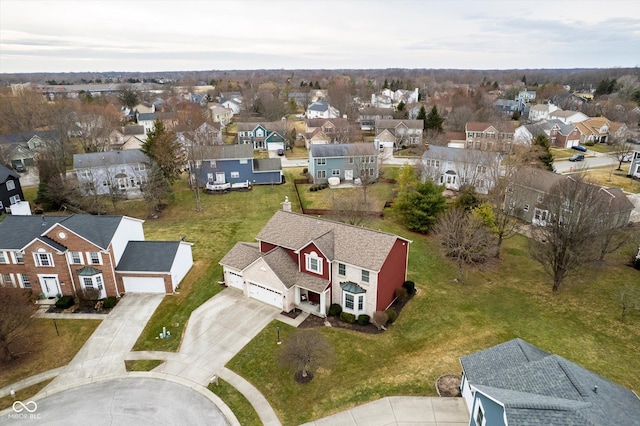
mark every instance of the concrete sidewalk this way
{"type": "Point", "coordinates": [402, 410]}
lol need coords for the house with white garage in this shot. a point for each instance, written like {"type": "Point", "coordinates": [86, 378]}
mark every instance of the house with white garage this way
{"type": "Point", "coordinates": [517, 383]}
{"type": "Point", "coordinates": [309, 263]}
{"type": "Point", "coordinates": [67, 255]}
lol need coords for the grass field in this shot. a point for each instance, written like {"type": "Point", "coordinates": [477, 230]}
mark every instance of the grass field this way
{"type": "Point", "coordinates": [237, 402]}
{"type": "Point", "coordinates": [606, 177]}
{"type": "Point", "coordinates": [377, 195]}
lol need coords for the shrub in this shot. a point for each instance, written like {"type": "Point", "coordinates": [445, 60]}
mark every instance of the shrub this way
{"type": "Point", "coordinates": [347, 317]}
{"type": "Point", "coordinates": [335, 310]}
{"type": "Point", "coordinates": [590, 143]}
{"type": "Point", "coordinates": [110, 302]}
{"type": "Point", "coordinates": [305, 171]}
{"type": "Point", "coordinates": [363, 319]}
{"type": "Point", "coordinates": [380, 319]}
{"type": "Point", "coordinates": [392, 315]}
{"type": "Point", "coordinates": [401, 293]}
{"type": "Point", "coordinates": [65, 302]}
{"type": "Point", "coordinates": [410, 286]}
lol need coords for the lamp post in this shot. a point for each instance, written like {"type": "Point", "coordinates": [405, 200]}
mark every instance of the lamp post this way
{"type": "Point", "coordinates": [278, 330]}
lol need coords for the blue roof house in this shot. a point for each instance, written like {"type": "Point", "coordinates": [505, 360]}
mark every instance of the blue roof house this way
{"type": "Point", "coordinates": [347, 162]}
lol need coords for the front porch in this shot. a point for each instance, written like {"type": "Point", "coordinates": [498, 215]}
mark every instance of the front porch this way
{"type": "Point", "coordinates": [312, 302]}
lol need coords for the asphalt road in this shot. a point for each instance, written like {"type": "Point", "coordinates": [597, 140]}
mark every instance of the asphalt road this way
{"type": "Point", "coordinates": [130, 401]}
{"type": "Point", "coordinates": [592, 160]}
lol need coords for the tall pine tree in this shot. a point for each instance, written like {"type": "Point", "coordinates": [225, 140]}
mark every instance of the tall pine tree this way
{"type": "Point", "coordinates": [164, 149]}
{"type": "Point", "coordinates": [434, 121]}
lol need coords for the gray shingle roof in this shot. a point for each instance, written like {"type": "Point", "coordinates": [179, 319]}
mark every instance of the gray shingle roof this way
{"type": "Point", "coordinates": [241, 255]}
{"type": "Point", "coordinates": [110, 158]}
{"type": "Point", "coordinates": [266, 164]}
{"type": "Point", "coordinates": [539, 388]}
{"type": "Point", "coordinates": [461, 155]}
{"type": "Point", "coordinates": [319, 106]}
{"type": "Point", "coordinates": [222, 152]}
{"type": "Point", "coordinates": [6, 173]}
{"type": "Point", "coordinates": [392, 124]}
{"type": "Point", "coordinates": [148, 256]}
{"type": "Point", "coordinates": [18, 231]}
{"type": "Point", "coordinates": [97, 229]}
{"type": "Point", "coordinates": [342, 150]}
{"type": "Point", "coordinates": [351, 244]}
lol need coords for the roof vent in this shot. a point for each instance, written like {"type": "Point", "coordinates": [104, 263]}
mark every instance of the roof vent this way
{"type": "Point", "coordinates": [595, 389]}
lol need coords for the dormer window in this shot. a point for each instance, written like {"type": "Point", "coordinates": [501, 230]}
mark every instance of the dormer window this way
{"type": "Point", "coordinates": [314, 263]}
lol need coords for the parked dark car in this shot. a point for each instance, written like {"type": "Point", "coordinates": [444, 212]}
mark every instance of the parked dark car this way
{"type": "Point", "coordinates": [577, 157]}
{"type": "Point", "coordinates": [579, 148]}
{"type": "Point", "coordinates": [281, 152]}
{"type": "Point", "coordinates": [19, 167]}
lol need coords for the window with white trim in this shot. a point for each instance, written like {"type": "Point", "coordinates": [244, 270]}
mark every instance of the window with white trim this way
{"type": "Point", "coordinates": [43, 259]}
{"type": "Point", "coordinates": [353, 302]}
{"type": "Point", "coordinates": [7, 280]}
{"type": "Point", "coordinates": [321, 161]}
{"type": "Point", "coordinates": [365, 276]}
{"type": "Point", "coordinates": [479, 417]}
{"type": "Point", "coordinates": [235, 175]}
{"type": "Point", "coordinates": [26, 283]}
{"type": "Point", "coordinates": [76, 258]}
{"type": "Point", "coordinates": [19, 256]}
{"type": "Point", "coordinates": [348, 300]}
{"type": "Point", "coordinates": [95, 258]}
{"type": "Point", "coordinates": [342, 269]}
{"type": "Point", "coordinates": [314, 263]}
{"type": "Point", "coordinates": [3, 257]}
{"type": "Point", "coordinates": [335, 172]}
{"type": "Point", "coordinates": [15, 199]}
{"type": "Point", "coordinates": [11, 185]}
{"type": "Point", "coordinates": [321, 174]}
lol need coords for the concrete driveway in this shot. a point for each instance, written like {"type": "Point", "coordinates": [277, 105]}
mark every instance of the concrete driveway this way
{"type": "Point", "coordinates": [216, 332]}
{"type": "Point", "coordinates": [105, 351]}
{"type": "Point", "coordinates": [125, 401]}
{"type": "Point", "coordinates": [402, 410]}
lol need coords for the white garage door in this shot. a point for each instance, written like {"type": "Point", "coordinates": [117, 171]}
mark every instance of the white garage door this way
{"type": "Point", "coordinates": [266, 295]}
{"type": "Point", "coordinates": [143, 284]}
{"type": "Point", "coordinates": [235, 280]}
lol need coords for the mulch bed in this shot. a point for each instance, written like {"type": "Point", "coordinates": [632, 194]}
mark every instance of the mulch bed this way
{"type": "Point", "coordinates": [314, 321]}
{"type": "Point", "coordinates": [78, 309]}
{"type": "Point", "coordinates": [301, 379]}
{"type": "Point", "coordinates": [448, 385]}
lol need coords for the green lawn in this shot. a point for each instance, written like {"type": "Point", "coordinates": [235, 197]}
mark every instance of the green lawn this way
{"type": "Point", "coordinates": [447, 320]}
{"type": "Point", "coordinates": [377, 194]}
{"type": "Point", "coordinates": [237, 402]}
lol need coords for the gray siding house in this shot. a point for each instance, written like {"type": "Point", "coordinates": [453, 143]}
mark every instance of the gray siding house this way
{"type": "Point", "coordinates": [345, 161]}
{"type": "Point", "coordinates": [103, 172]}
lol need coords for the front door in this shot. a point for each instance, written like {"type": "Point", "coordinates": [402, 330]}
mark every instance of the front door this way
{"type": "Point", "coordinates": [220, 177]}
{"type": "Point", "coordinates": [50, 286]}
{"type": "Point", "coordinates": [348, 175]}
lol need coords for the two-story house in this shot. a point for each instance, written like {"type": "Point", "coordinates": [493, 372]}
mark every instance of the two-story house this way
{"type": "Point", "coordinates": [568, 117]}
{"type": "Point", "coordinates": [233, 164]}
{"type": "Point", "coordinates": [264, 135]}
{"type": "Point", "coordinates": [541, 111]}
{"type": "Point", "coordinates": [127, 137]}
{"type": "Point", "coordinates": [102, 173]}
{"type": "Point", "coordinates": [21, 149]}
{"type": "Point", "coordinates": [10, 189]}
{"type": "Point", "coordinates": [205, 134]}
{"type": "Point", "coordinates": [309, 263]}
{"type": "Point", "coordinates": [517, 383]}
{"type": "Point", "coordinates": [397, 133]}
{"type": "Point", "coordinates": [530, 195]}
{"type": "Point", "coordinates": [347, 162]}
{"type": "Point", "coordinates": [321, 109]}
{"type": "Point", "coordinates": [600, 130]}
{"type": "Point", "coordinates": [490, 136]}
{"type": "Point", "coordinates": [65, 255]}
{"type": "Point", "coordinates": [326, 130]}
{"type": "Point", "coordinates": [148, 121]}
{"type": "Point", "coordinates": [454, 168]}
{"type": "Point", "coordinates": [368, 116]}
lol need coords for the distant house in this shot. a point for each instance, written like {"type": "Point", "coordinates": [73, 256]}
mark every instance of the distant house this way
{"type": "Point", "coordinates": [220, 114]}
{"type": "Point", "coordinates": [235, 105]}
{"type": "Point", "coordinates": [568, 117]}
{"type": "Point", "coordinates": [634, 166]}
{"type": "Point", "coordinates": [148, 121]}
{"type": "Point", "coordinates": [321, 109]}
{"type": "Point", "coordinates": [516, 383]}
{"type": "Point", "coordinates": [388, 98]}
{"type": "Point", "coordinates": [263, 135]}
{"type": "Point", "coordinates": [308, 263]}
{"type": "Point", "coordinates": [10, 189]}
{"type": "Point", "coordinates": [398, 133]}
{"type": "Point", "coordinates": [528, 197]}
{"type": "Point", "coordinates": [541, 111]}
{"type": "Point", "coordinates": [67, 255]}
{"type": "Point", "coordinates": [506, 106]}
{"type": "Point", "coordinates": [490, 136]}
{"type": "Point", "coordinates": [326, 130]}
{"type": "Point", "coordinates": [345, 161]}
{"type": "Point", "coordinates": [127, 137]}
{"type": "Point", "coordinates": [205, 134]}
{"type": "Point", "coordinates": [600, 130]}
{"type": "Point", "coordinates": [21, 148]}
{"type": "Point", "coordinates": [104, 172]}
{"type": "Point", "coordinates": [454, 168]}
{"type": "Point", "coordinates": [233, 164]}
{"type": "Point", "coordinates": [368, 116]}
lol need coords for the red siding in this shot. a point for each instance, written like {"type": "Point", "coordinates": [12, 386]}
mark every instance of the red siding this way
{"type": "Point", "coordinates": [392, 274]}
{"type": "Point", "coordinates": [267, 247]}
{"type": "Point", "coordinates": [303, 263]}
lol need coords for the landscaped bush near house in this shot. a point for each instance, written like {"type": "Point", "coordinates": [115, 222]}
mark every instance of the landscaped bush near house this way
{"type": "Point", "coordinates": [335, 309]}
{"type": "Point", "coordinates": [402, 293]}
{"type": "Point", "coordinates": [347, 317]}
{"type": "Point", "coordinates": [305, 171]}
{"type": "Point", "coordinates": [65, 302]}
{"type": "Point", "coordinates": [380, 319]}
{"type": "Point", "coordinates": [590, 143]}
{"type": "Point", "coordinates": [410, 286]}
{"type": "Point", "coordinates": [363, 319]}
{"type": "Point", "coordinates": [109, 302]}
{"type": "Point", "coordinates": [392, 315]}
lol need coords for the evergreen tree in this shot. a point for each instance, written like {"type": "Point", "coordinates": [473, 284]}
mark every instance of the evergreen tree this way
{"type": "Point", "coordinates": [433, 120]}
{"type": "Point", "coordinates": [422, 115]}
{"type": "Point", "coordinates": [316, 85]}
{"type": "Point", "coordinates": [385, 85]}
{"type": "Point", "coordinates": [545, 157]}
{"type": "Point", "coordinates": [420, 208]}
{"type": "Point", "coordinates": [164, 149]}
{"type": "Point", "coordinates": [401, 106]}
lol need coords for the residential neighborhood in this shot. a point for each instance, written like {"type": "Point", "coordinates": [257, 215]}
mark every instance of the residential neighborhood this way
{"type": "Point", "coordinates": [426, 240]}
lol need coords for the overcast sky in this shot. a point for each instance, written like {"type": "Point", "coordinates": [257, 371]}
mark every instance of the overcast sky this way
{"type": "Point", "coordinates": [152, 35]}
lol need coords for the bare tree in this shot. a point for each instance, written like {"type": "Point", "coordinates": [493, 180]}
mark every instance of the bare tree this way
{"type": "Point", "coordinates": [621, 150]}
{"type": "Point", "coordinates": [465, 238]}
{"type": "Point", "coordinates": [305, 351]}
{"type": "Point", "coordinates": [156, 190]}
{"type": "Point", "coordinates": [96, 122]}
{"type": "Point", "coordinates": [15, 310]}
{"type": "Point", "coordinates": [570, 237]}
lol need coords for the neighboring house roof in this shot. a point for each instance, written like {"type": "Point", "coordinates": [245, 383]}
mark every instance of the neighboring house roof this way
{"type": "Point", "coordinates": [338, 122]}
{"type": "Point", "coordinates": [133, 130]}
{"type": "Point", "coordinates": [458, 155]}
{"type": "Point", "coordinates": [266, 164]}
{"type": "Point", "coordinates": [137, 256]}
{"type": "Point", "coordinates": [222, 152]}
{"type": "Point", "coordinates": [268, 125]}
{"type": "Point", "coordinates": [565, 129]}
{"type": "Point", "coordinates": [342, 150]}
{"type": "Point", "coordinates": [6, 173]}
{"type": "Point", "coordinates": [391, 124]}
{"type": "Point", "coordinates": [18, 231]}
{"type": "Point", "coordinates": [338, 241]}
{"type": "Point", "coordinates": [536, 387]}
{"type": "Point", "coordinates": [110, 158]}
{"type": "Point", "coordinates": [25, 137]}
{"type": "Point", "coordinates": [502, 126]}
{"type": "Point", "coordinates": [319, 106]}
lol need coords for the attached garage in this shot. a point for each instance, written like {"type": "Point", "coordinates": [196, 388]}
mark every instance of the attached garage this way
{"type": "Point", "coordinates": [144, 284]}
{"type": "Point", "coordinates": [234, 279]}
{"type": "Point", "coordinates": [265, 294]}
